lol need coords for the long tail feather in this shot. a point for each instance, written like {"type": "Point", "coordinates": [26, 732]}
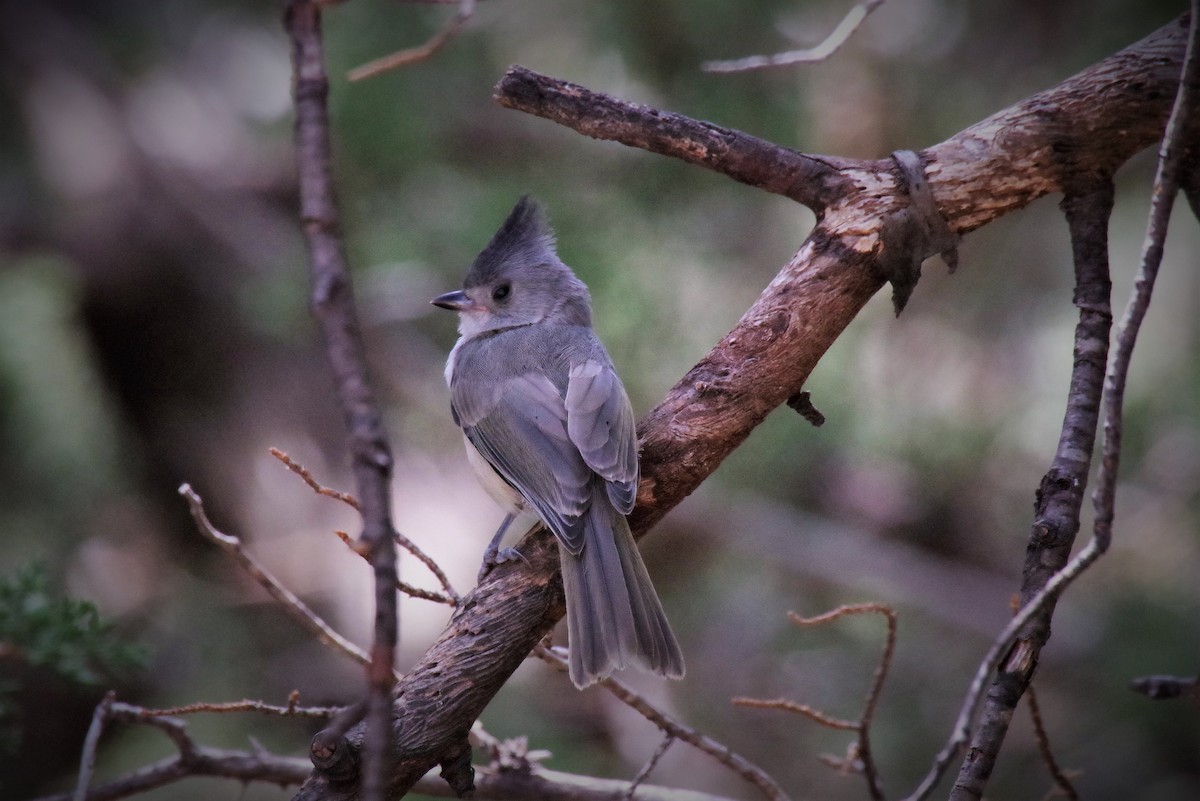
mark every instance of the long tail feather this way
{"type": "Point", "coordinates": [614, 616]}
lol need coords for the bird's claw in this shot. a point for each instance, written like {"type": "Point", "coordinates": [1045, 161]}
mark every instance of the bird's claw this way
{"type": "Point", "coordinates": [498, 556]}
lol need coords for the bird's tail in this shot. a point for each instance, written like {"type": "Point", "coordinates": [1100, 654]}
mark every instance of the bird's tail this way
{"type": "Point", "coordinates": [614, 617]}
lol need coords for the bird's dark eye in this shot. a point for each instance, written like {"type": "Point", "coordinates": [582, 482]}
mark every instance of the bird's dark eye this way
{"type": "Point", "coordinates": [501, 292]}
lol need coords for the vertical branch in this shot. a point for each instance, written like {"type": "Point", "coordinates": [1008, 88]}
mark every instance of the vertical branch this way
{"type": "Point", "coordinates": [1167, 180]}
{"type": "Point", "coordinates": [333, 307]}
{"type": "Point", "coordinates": [1087, 206]}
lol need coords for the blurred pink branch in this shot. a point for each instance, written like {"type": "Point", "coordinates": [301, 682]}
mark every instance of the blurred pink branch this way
{"type": "Point", "coordinates": [466, 8]}
{"type": "Point", "coordinates": [830, 45]}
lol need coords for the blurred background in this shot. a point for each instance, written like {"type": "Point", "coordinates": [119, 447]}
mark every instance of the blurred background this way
{"type": "Point", "coordinates": [154, 330]}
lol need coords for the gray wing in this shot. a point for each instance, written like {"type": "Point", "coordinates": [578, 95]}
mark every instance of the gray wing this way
{"type": "Point", "coordinates": [600, 424]}
{"type": "Point", "coordinates": [519, 424]}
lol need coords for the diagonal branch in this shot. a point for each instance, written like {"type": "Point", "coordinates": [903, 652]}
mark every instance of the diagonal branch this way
{"type": "Point", "coordinates": [466, 8]}
{"type": "Point", "coordinates": [809, 180]}
{"type": "Point", "coordinates": [826, 48]}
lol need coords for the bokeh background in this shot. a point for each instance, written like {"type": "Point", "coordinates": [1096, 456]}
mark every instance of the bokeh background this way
{"type": "Point", "coordinates": [154, 330]}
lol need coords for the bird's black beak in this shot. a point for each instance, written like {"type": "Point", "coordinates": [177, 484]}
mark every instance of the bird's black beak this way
{"type": "Point", "coordinates": [454, 301]}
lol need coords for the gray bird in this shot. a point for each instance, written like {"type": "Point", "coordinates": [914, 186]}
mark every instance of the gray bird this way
{"type": "Point", "coordinates": [549, 431]}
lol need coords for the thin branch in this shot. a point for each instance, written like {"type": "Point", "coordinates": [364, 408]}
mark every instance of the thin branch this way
{"type": "Point", "coordinates": [832, 43]}
{"type": "Point", "coordinates": [87, 760]}
{"type": "Point", "coordinates": [648, 768]}
{"type": "Point", "coordinates": [413, 55]}
{"type": "Point", "coordinates": [1061, 781]}
{"type": "Point", "coordinates": [1000, 646]}
{"type": "Point", "coordinates": [860, 750]}
{"type": "Point", "coordinates": [300, 610]}
{"type": "Point", "coordinates": [403, 586]}
{"type": "Point", "coordinates": [1166, 184]}
{"type": "Point", "coordinates": [248, 705]}
{"type": "Point", "coordinates": [673, 728]}
{"type": "Point", "coordinates": [313, 484]}
{"type": "Point", "coordinates": [450, 597]}
{"type": "Point", "coordinates": [333, 308]}
{"type": "Point", "coordinates": [787, 705]}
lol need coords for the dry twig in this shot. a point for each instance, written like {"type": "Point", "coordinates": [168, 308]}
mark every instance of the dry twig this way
{"type": "Point", "coordinates": [300, 610]}
{"type": "Point", "coordinates": [1062, 782]}
{"type": "Point", "coordinates": [449, 597]}
{"type": "Point", "coordinates": [415, 54]}
{"type": "Point", "coordinates": [646, 770]}
{"type": "Point", "coordinates": [87, 760]}
{"type": "Point", "coordinates": [859, 755]}
{"type": "Point", "coordinates": [831, 44]}
{"type": "Point", "coordinates": [293, 709]}
{"type": "Point", "coordinates": [673, 728]}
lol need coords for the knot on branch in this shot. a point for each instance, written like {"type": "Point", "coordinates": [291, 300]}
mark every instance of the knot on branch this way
{"type": "Point", "coordinates": [457, 770]}
{"type": "Point", "coordinates": [913, 234]}
{"type": "Point", "coordinates": [334, 757]}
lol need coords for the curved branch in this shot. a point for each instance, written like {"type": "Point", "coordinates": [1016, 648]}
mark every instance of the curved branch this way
{"type": "Point", "coordinates": [1091, 122]}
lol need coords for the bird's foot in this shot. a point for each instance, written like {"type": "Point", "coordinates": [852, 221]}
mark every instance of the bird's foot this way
{"type": "Point", "coordinates": [498, 556]}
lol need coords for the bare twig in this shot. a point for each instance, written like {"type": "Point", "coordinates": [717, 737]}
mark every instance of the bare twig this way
{"type": "Point", "coordinates": [787, 705]}
{"type": "Point", "coordinates": [403, 586]}
{"type": "Point", "coordinates": [412, 55]}
{"type": "Point", "coordinates": [859, 758]}
{"type": "Point", "coordinates": [333, 308]}
{"type": "Point", "coordinates": [673, 728]}
{"type": "Point", "coordinates": [961, 732]}
{"type": "Point", "coordinates": [451, 597]}
{"type": "Point", "coordinates": [832, 43]}
{"type": "Point", "coordinates": [646, 770]}
{"type": "Point", "coordinates": [87, 760]}
{"type": "Point", "coordinates": [1162, 200]}
{"type": "Point", "coordinates": [313, 484]}
{"type": "Point", "coordinates": [1062, 782]}
{"type": "Point", "coordinates": [300, 610]}
{"type": "Point", "coordinates": [247, 705]}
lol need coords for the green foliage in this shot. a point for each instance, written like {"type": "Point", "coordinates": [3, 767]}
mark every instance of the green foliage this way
{"type": "Point", "coordinates": [62, 635]}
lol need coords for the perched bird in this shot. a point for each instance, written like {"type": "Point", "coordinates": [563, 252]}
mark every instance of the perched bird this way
{"type": "Point", "coordinates": [549, 430]}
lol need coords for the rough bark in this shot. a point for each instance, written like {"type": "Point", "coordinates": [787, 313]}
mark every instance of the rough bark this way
{"type": "Point", "coordinates": [1089, 124]}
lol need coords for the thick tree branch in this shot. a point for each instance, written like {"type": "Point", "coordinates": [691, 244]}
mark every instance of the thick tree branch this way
{"type": "Point", "coordinates": [1090, 124]}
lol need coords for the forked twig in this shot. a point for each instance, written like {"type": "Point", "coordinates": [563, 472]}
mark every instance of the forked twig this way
{"type": "Point", "coordinates": [415, 54]}
{"type": "Point", "coordinates": [832, 43]}
{"type": "Point", "coordinates": [450, 596]}
{"type": "Point", "coordinates": [672, 727]}
{"type": "Point", "coordinates": [860, 751]}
